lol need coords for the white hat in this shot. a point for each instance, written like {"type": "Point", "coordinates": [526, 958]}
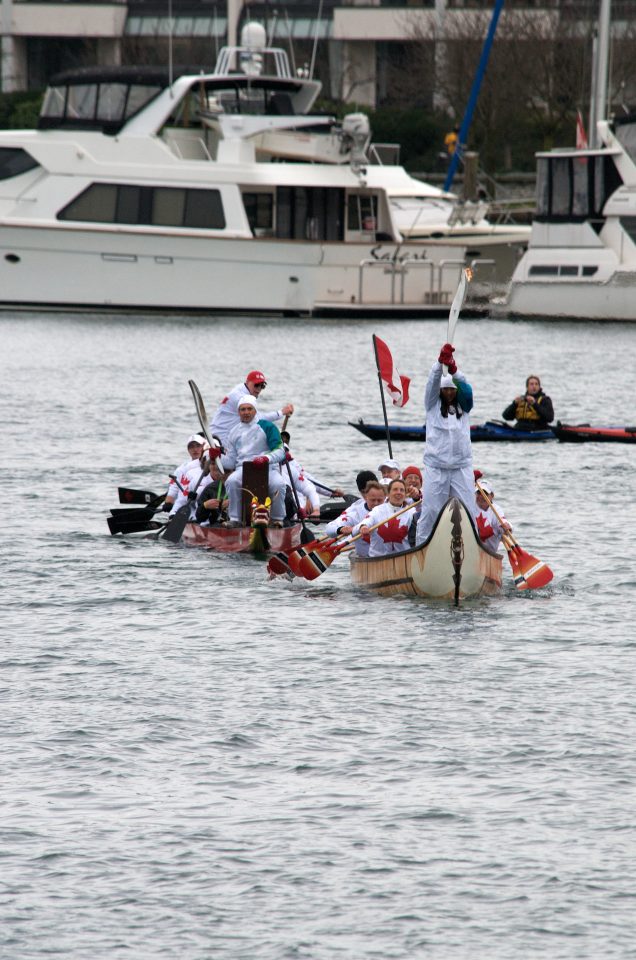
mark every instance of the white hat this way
{"type": "Point", "coordinates": [447, 381]}
{"type": "Point", "coordinates": [195, 438]}
{"type": "Point", "coordinates": [247, 398]}
{"type": "Point", "coordinates": [485, 487]}
{"type": "Point", "coordinates": [385, 481]}
{"type": "Point", "coordinates": [391, 464]}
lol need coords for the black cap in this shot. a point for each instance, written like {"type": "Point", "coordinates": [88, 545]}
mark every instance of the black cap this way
{"type": "Point", "coordinates": [363, 478]}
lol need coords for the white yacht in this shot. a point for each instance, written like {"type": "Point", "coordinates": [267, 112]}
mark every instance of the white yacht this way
{"type": "Point", "coordinates": [581, 259]}
{"type": "Point", "coordinates": [216, 191]}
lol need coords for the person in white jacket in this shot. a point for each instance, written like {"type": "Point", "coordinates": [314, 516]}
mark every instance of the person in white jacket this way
{"type": "Point", "coordinates": [393, 535]}
{"type": "Point", "coordinates": [374, 495]}
{"type": "Point", "coordinates": [448, 456]}
{"type": "Point", "coordinates": [226, 416]}
{"type": "Point", "coordinates": [259, 441]}
{"type": "Point", "coordinates": [195, 450]}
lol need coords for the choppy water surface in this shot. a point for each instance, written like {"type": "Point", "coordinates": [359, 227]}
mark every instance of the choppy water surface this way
{"type": "Point", "coordinates": [198, 763]}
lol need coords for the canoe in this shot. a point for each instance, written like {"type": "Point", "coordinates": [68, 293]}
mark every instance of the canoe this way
{"type": "Point", "coordinates": [242, 539]}
{"type": "Point", "coordinates": [452, 564]}
{"type": "Point", "coordinates": [491, 430]}
{"type": "Point", "coordinates": [583, 433]}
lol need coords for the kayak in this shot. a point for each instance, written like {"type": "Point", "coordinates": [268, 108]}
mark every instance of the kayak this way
{"type": "Point", "coordinates": [453, 564]}
{"type": "Point", "coordinates": [491, 430]}
{"type": "Point", "coordinates": [583, 432]}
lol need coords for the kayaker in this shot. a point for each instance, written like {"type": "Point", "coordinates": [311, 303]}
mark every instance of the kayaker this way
{"type": "Point", "coordinates": [448, 456]}
{"type": "Point", "coordinates": [373, 496]}
{"type": "Point", "coordinates": [389, 469]}
{"type": "Point", "coordinates": [393, 535]}
{"type": "Point", "coordinates": [258, 440]}
{"type": "Point", "coordinates": [227, 416]}
{"type": "Point", "coordinates": [195, 449]}
{"type": "Point", "coordinates": [489, 527]}
{"type": "Point", "coordinates": [533, 409]}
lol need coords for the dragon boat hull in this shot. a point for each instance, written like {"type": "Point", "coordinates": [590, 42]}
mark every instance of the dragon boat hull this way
{"type": "Point", "coordinates": [242, 539]}
{"type": "Point", "coordinates": [452, 564]}
{"type": "Point", "coordinates": [490, 431]}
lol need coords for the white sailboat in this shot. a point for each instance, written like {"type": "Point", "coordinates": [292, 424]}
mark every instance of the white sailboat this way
{"type": "Point", "coordinates": [581, 259]}
{"type": "Point", "coordinates": [218, 191]}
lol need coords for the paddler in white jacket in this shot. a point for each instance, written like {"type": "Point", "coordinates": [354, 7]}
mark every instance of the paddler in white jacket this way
{"type": "Point", "coordinates": [257, 440]}
{"type": "Point", "coordinates": [393, 535]}
{"type": "Point", "coordinates": [226, 416]}
{"type": "Point", "coordinates": [356, 512]}
{"type": "Point", "coordinates": [448, 455]}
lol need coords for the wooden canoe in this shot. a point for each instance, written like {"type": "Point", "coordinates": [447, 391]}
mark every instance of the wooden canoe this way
{"type": "Point", "coordinates": [242, 539]}
{"type": "Point", "coordinates": [452, 564]}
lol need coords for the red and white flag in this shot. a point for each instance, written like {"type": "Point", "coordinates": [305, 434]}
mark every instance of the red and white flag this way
{"type": "Point", "coordinates": [581, 136]}
{"type": "Point", "coordinates": [394, 383]}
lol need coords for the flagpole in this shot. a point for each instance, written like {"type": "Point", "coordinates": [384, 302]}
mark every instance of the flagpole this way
{"type": "Point", "coordinates": [386, 421]}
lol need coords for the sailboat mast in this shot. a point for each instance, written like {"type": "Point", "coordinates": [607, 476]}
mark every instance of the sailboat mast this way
{"type": "Point", "coordinates": [600, 79]}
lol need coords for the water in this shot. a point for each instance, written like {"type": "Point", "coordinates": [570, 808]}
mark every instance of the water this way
{"type": "Point", "coordinates": [199, 763]}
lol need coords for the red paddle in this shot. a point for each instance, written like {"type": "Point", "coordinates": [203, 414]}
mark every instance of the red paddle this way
{"type": "Point", "coordinates": [529, 572]}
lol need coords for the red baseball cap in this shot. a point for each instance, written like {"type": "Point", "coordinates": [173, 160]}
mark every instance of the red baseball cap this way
{"type": "Point", "coordinates": [256, 377]}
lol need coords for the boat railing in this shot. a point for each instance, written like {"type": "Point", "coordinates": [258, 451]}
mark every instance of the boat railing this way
{"type": "Point", "coordinates": [438, 287]}
{"type": "Point", "coordinates": [384, 154]}
{"type": "Point", "coordinates": [456, 266]}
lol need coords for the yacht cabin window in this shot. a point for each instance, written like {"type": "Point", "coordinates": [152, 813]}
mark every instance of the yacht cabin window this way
{"type": "Point", "coordinates": [575, 188]}
{"type": "Point", "coordinates": [102, 105]}
{"type": "Point", "coordinates": [259, 208]}
{"type": "Point", "coordinates": [362, 212]}
{"type": "Point", "coordinates": [14, 161]}
{"type": "Point", "coordinates": [151, 206]}
{"type": "Point", "coordinates": [310, 213]}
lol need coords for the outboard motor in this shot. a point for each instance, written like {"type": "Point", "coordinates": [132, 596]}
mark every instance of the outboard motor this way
{"type": "Point", "coordinates": [356, 136]}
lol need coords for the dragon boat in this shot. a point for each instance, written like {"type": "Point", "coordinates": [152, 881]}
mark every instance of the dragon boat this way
{"type": "Point", "coordinates": [250, 539]}
{"type": "Point", "coordinates": [453, 564]}
{"type": "Point", "coordinates": [491, 431]}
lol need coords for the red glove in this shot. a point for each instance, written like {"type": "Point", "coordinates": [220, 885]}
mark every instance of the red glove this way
{"type": "Point", "coordinates": [259, 461]}
{"type": "Point", "coordinates": [452, 367]}
{"type": "Point", "coordinates": [288, 456]}
{"type": "Point", "coordinates": [477, 474]}
{"type": "Point", "coordinates": [446, 354]}
{"type": "Point", "coordinates": [214, 453]}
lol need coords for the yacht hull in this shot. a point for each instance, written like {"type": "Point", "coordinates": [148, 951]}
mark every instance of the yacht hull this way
{"type": "Point", "coordinates": [61, 267]}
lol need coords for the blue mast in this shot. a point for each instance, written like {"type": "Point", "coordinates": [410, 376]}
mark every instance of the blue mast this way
{"type": "Point", "coordinates": [474, 93]}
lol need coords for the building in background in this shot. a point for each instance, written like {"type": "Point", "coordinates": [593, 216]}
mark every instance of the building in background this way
{"type": "Point", "coordinates": [413, 53]}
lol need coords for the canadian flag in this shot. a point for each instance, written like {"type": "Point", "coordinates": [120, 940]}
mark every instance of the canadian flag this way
{"type": "Point", "coordinates": [581, 136]}
{"type": "Point", "coordinates": [394, 383]}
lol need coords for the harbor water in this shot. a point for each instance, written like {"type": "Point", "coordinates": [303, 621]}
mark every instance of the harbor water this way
{"type": "Point", "coordinates": [200, 763]}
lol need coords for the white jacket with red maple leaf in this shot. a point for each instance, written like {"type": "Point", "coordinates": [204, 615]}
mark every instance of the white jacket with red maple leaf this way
{"type": "Point", "coordinates": [392, 536]}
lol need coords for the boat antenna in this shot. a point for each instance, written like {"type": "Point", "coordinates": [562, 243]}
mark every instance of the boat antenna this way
{"type": "Point", "coordinates": [291, 42]}
{"type": "Point", "coordinates": [170, 67]}
{"type": "Point", "coordinates": [313, 52]}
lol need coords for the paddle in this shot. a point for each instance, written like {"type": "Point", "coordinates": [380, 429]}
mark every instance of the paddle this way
{"type": "Point", "coordinates": [458, 301]}
{"type": "Point", "coordinates": [529, 573]}
{"type": "Point", "coordinates": [310, 564]}
{"type": "Point", "coordinates": [305, 535]}
{"type": "Point", "coordinates": [203, 420]}
{"type": "Point", "coordinates": [126, 525]}
{"type": "Point", "coordinates": [173, 530]}
{"type": "Point", "coordinates": [147, 497]}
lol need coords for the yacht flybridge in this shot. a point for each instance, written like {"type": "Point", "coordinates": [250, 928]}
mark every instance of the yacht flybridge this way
{"type": "Point", "coordinates": [581, 261]}
{"type": "Point", "coordinates": [217, 191]}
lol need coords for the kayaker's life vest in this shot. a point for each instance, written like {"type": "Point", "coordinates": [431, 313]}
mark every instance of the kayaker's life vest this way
{"type": "Point", "coordinates": [528, 411]}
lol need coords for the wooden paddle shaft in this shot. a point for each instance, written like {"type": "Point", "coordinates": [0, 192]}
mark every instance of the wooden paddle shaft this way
{"type": "Point", "coordinates": [507, 535]}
